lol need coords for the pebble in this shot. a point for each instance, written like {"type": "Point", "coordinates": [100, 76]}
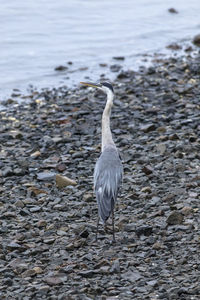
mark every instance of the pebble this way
{"type": "Point", "coordinates": [172, 10]}
{"type": "Point", "coordinates": [148, 127]}
{"type": "Point", "coordinates": [53, 280]}
{"type": "Point", "coordinates": [61, 68]}
{"type": "Point", "coordinates": [196, 40]}
{"type": "Point", "coordinates": [35, 154]}
{"type": "Point", "coordinates": [115, 68]}
{"type": "Point", "coordinates": [63, 181]}
{"type": "Point", "coordinates": [175, 218]}
{"type": "Point", "coordinates": [132, 276]}
{"type": "Point", "coordinates": [144, 230]}
{"type": "Point", "coordinates": [147, 170]}
{"type": "Point", "coordinates": [46, 176]}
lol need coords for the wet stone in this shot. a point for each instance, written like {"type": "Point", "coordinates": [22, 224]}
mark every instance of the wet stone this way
{"type": "Point", "coordinates": [84, 233]}
{"type": "Point", "coordinates": [14, 246]}
{"type": "Point", "coordinates": [175, 218]}
{"type": "Point", "coordinates": [132, 276]}
{"type": "Point", "coordinates": [147, 170]}
{"type": "Point", "coordinates": [115, 68]}
{"type": "Point", "coordinates": [172, 10]}
{"type": "Point", "coordinates": [35, 209]}
{"type": "Point", "coordinates": [148, 127]}
{"type": "Point", "coordinates": [53, 280]}
{"type": "Point", "coordinates": [144, 230]}
{"type": "Point", "coordinates": [115, 268]}
{"type": "Point", "coordinates": [46, 176]}
{"type": "Point", "coordinates": [61, 68]}
{"type": "Point", "coordinates": [196, 40]}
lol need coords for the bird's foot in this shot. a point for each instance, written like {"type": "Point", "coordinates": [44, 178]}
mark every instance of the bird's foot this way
{"type": "Point", "coordinates": [114, 241]}
{"type": "Point", "coordinates": [105, 228]}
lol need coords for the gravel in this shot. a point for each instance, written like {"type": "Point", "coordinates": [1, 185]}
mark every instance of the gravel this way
{"type": "Point", "coordinates": [47, 234]}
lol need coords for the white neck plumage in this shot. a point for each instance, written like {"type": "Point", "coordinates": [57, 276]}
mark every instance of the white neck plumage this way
{"type": "Point", "coordinates": [106, 132]}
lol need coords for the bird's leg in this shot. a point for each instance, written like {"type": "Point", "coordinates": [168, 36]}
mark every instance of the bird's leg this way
{"type": "Point", "coordinates": [97, 227]}
{"type": "Point", "coordinates": [105, 227]}
{"type": "Point", "coordinates": [113, 226]}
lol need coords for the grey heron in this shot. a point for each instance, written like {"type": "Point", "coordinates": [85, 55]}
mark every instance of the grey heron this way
{"type": "Point", "coordinates": [108, 169]}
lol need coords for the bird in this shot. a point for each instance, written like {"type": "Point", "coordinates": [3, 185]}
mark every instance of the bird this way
{"type": "Point", "coordinates": [108, 171]}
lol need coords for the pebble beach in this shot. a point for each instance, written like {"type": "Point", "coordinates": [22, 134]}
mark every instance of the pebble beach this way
{"type": "Point", "coordinates": [47, 227]}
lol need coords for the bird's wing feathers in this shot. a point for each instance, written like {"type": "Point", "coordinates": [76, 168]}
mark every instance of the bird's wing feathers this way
{"type": "Point", "coordinates": [107, 180]}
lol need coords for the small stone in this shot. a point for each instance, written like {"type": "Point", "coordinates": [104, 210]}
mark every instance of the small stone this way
{"type": "Point", "coordinates": [196, 40]}
{"type": "Point", "coordinates": [115, 68]}
{"type": "Point", "coordinates": [148, 127]}
{"type": "Point", "coordinates": [87, 273]}
{"type": "Point", "coordinates": [84, 233]}
{"type": "Point", "coordinates": [41, 223]}
{"type": "Point", "coordinates": [49, 240]}
{"type": "Point", "coordinates": [103, 65]}
{"type": "Point", "coordinates": [119, 57]}
{"type": "Point", "coordinates": [88, 197]}
{"type": "Point", "coordinates": [7, 172]}
{"type": "Point", "coordinates": [61, 232]}
{"type": "Point", "coordinates": [115, 268]}
{"type": "Point", "coordinates": [152, 283]}
{"type": "Point", "coordinates": [38, 270]}
{"type": "Point", "coordinates": [63, 181]}
{"type": "Point", "coordinates": [175, 218]}
{"type": "Point", "coordinates": [172, 10]}
{"type": "Point", "coordinates": [13, 246]}
{"type": "Point", "coordinates": [45, 176]}
{"type": "Point", "coordinates": [146, 189]}
{"type": "Point", "coordinates": [53, 280]}
{"type": "Point", "coordinates": [157, 246]}
{"type": "Point", "coordinates": [35, 154]}
{"type": "Point", "coordinates": [70, 246]}
{"type": "Point", "coordinates": [186, 211]}
{"type": "Point", "coordinates": [29, 273]}
{"type": "Point", "coordinates": [174, 137]}
{"type": "Point", "coordinates": [9, 214]}
{"type": "Point", "coordinates": [174, 46]}
{"type": "Point", "coordinates": [147, 170]}
{"type": "Point", "coordinates": [35, 191]}
{"type": "Point", "coordinates": [129, 227]}
{"type": "Point", "coordinates": [43, 289]}
{"type": "Point", "coordinates": [35, 209]}
{"type": "Point", "coordinates": [61, 167]}
{"type": "Point", "coordinates": [161, 148]}
{"type": "Point", "coordinates": [61, 68]}
{"type": "Point", "coordinates": [19, 204]}
{"type": "Point", "coordinates": [144, 230]}
{"type": "Point", "coordinates": [132, 276]}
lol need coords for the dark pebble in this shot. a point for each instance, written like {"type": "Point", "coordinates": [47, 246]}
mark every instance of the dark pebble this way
{"type": "Point", "coordinates": [172, 10]}
{"type": "Point", "coordinates": [196, 40]}
{"type": "Point", "coordinates": [61, 68]}
{"type": "Point", "coordinates": [144, 230]}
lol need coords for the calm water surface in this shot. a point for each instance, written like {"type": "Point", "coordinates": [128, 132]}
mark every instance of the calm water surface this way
{"type": "Point", "coordinates": [38, 35]}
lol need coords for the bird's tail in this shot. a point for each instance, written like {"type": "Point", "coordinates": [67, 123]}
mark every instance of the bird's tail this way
{"type": "Point", "coordinates": [105, 205]}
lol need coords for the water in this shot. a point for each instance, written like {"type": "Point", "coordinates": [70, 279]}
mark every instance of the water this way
{"type": "Point", "coordinates": [38, 35]}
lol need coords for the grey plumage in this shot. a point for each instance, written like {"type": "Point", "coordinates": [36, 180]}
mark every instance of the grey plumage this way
{"type": "Point", "coordinates": [107, 180]}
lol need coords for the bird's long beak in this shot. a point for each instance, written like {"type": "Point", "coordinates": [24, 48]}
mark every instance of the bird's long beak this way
{"type": "Point", "coordinates": [95, 85]}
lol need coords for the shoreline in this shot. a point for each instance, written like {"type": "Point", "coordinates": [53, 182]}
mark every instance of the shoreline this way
{"type": "Point", "coordinates": [69, 73]}
{"type": "Point", "coordinates": [47, 234]}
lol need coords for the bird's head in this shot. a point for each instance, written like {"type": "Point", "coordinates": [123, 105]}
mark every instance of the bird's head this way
{"type": "Point", "coordinates": [106, 87]}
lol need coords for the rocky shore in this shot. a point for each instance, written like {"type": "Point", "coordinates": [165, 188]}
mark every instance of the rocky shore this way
{"type": "Point", "coordinates": [47, 230]}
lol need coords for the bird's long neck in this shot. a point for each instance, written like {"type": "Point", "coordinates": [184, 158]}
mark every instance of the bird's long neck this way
{"type": "Point", "coordinates": [106, 132]}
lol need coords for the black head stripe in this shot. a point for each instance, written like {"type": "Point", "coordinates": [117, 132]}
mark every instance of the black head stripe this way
{"type": "Point", "coordinates": [108, 85]}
